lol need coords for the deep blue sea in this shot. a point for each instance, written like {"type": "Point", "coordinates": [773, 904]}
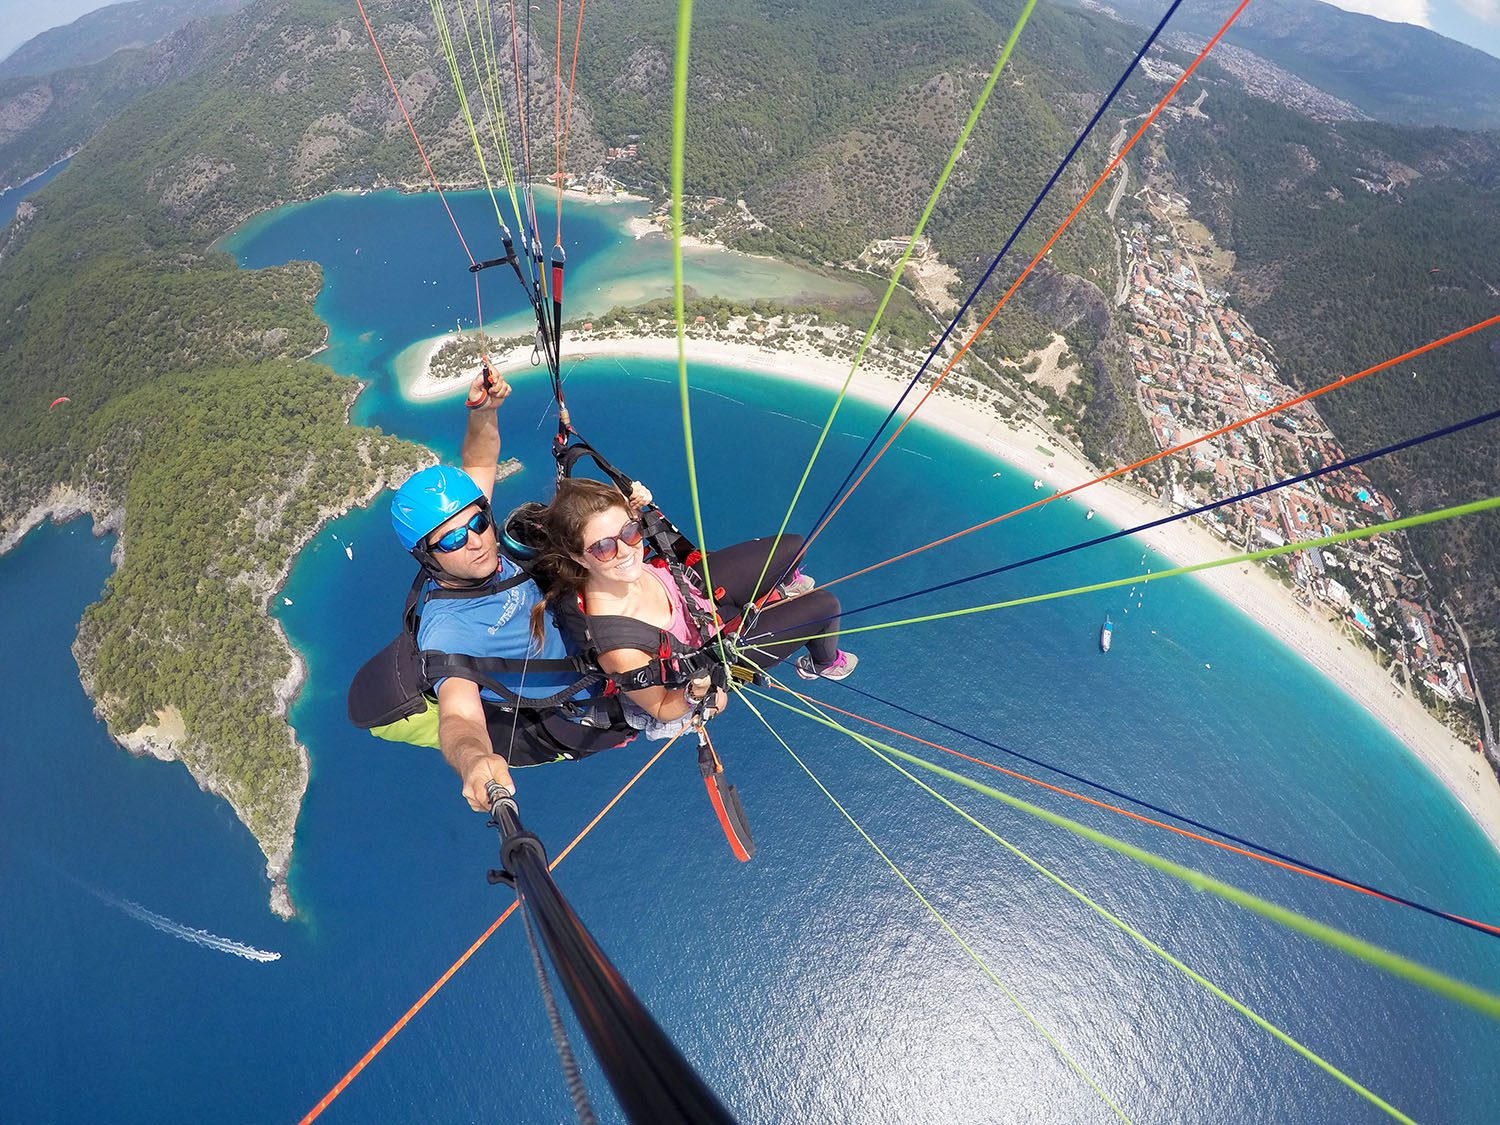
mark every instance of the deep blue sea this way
{"type": "Point", "coordinates": [808, 985]}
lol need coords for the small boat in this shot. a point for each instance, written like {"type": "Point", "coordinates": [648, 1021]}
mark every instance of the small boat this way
{"type": "Point", "coordinates": [286, 601]}
{"type": "Point", "coordinates": [349, 550]}
{"type": "Point", "coordinates": [1089, 515]}
{"type": "Point", "coordinates": [1037, 483]}
{"type": "Point", "coordinates": [1106, 635]}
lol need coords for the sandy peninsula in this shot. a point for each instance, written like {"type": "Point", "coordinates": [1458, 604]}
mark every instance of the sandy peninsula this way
{"type": "Point", "coordinates": [1309, 632]}
{"type": "Point", "coordinates": [650, 226]}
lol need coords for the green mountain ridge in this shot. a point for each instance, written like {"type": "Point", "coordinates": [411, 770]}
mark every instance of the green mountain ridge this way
{"type": "Point", "coordinates": [100, 33]}
{"type": "Point", "coordinates": [44, 119]}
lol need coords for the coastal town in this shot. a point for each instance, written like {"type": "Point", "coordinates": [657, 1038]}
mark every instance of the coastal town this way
{"type": "Point", "coordinates": [1199, 366]}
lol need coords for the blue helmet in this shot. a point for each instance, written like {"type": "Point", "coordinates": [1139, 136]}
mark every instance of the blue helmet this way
{"type": "Point", "coordinates": [428, 498]}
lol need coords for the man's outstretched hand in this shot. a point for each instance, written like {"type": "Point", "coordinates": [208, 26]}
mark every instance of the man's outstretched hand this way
{"type": "Point", "coordinates": [487, 391]}
{"type": "Point", "coordinates": [479, 773]}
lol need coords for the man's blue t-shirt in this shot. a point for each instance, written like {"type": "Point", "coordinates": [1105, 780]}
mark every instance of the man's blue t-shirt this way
{"type": "Point", "coordinates": [498, 624]}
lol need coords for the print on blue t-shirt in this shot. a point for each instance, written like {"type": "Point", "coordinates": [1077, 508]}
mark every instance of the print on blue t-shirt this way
{"type": "Point", "coordinates": [498, 624]}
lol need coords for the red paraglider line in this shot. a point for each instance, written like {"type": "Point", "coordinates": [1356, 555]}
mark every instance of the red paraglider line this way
{"type": "Point", "coordinates": [478, 306]}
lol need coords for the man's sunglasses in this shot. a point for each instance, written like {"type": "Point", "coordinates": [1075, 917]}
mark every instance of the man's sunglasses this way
{"type": "Point", "coordinates": [479, 523]}
{"type": "Point", "coordinates": [606, 549]}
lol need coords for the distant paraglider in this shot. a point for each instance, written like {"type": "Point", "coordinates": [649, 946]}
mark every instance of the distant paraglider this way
{"type": "Point", "coordinates": [55, 401]}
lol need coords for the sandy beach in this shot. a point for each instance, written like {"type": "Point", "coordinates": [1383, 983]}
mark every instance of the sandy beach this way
{"type": "Point", "coordinates": [647, 226]}
{"type": "Point", "coordinates": [1309, 632]}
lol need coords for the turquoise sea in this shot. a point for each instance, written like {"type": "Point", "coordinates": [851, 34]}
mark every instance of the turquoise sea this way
{"type": "Point", "coordinates": [808, 985]}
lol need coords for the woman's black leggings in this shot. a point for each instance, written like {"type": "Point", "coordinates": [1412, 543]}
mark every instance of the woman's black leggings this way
{"type": "Point", "coordinates": [735, 569]}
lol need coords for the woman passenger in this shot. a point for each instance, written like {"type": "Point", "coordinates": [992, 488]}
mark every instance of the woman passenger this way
{"type": "Point", "coordinates": [595, 554]}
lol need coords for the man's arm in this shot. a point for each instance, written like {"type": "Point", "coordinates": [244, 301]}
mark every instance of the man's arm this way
{"type": "Point", "coordinates": [481, 448]}
{"type": "Point", "coordinates": [465, 741]}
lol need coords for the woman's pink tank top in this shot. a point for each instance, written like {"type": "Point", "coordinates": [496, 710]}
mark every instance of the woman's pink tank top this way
{"type": "Point", "coordinates": [681, 626]}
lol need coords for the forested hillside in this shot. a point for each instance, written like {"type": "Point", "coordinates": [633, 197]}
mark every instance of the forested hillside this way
{"type": "Point", "coordinates": [833, 131]}
{"type": "Point", "coordinates": [43, 119]}
{"type": "Point", "coordinates": [192, 428]}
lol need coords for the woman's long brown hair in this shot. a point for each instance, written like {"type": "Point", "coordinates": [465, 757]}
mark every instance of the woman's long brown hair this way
{"type": "Point", "coordinates": [562, 521]}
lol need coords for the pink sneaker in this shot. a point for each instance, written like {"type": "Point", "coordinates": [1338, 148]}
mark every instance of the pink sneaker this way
{"type": "Point", "coordinates": [797, 585]}
{"type": "Point", "coordinates": [842, 665]}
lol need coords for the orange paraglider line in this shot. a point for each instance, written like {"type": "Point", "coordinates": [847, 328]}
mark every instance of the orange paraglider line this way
{"type": "Point", "coordinates": [327, 1099]}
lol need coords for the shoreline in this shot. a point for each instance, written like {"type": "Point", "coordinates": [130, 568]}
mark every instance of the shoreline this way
{"type": "Point", "coordinates": [163, 738]}
{"type": "Point", "coordinates": [1309, 633]}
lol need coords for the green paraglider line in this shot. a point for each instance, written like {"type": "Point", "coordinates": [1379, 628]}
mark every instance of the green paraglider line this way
{"type": "Point", "coordinates": [1486, 1003]}
{"type": "Point", "coordinates": [911, 243]}
{"type": "Point", "coordinates": [1213, 564]}
{"type": "Point", "coordinates": [933, 910]}
{"type": "Point", "coordinates": [679, 150]}
{"type": "Point", "coordinates": [1125, 927]}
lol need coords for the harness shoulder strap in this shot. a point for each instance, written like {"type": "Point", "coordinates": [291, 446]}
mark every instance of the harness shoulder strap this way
{"type": "Point", "coordinates": [424, 589]}
{"type": "Point", "coordinates": [672, 663]}
{"type": "Point", "coordinates": [610, 632]}
{"type": "Point", "coordinates": [484, 671]}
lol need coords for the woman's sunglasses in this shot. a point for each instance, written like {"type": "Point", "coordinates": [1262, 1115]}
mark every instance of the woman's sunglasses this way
{"type": "Point", "coordinates": [606, 549]}
{"type": "Point", "coordinates": [479, 523]}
